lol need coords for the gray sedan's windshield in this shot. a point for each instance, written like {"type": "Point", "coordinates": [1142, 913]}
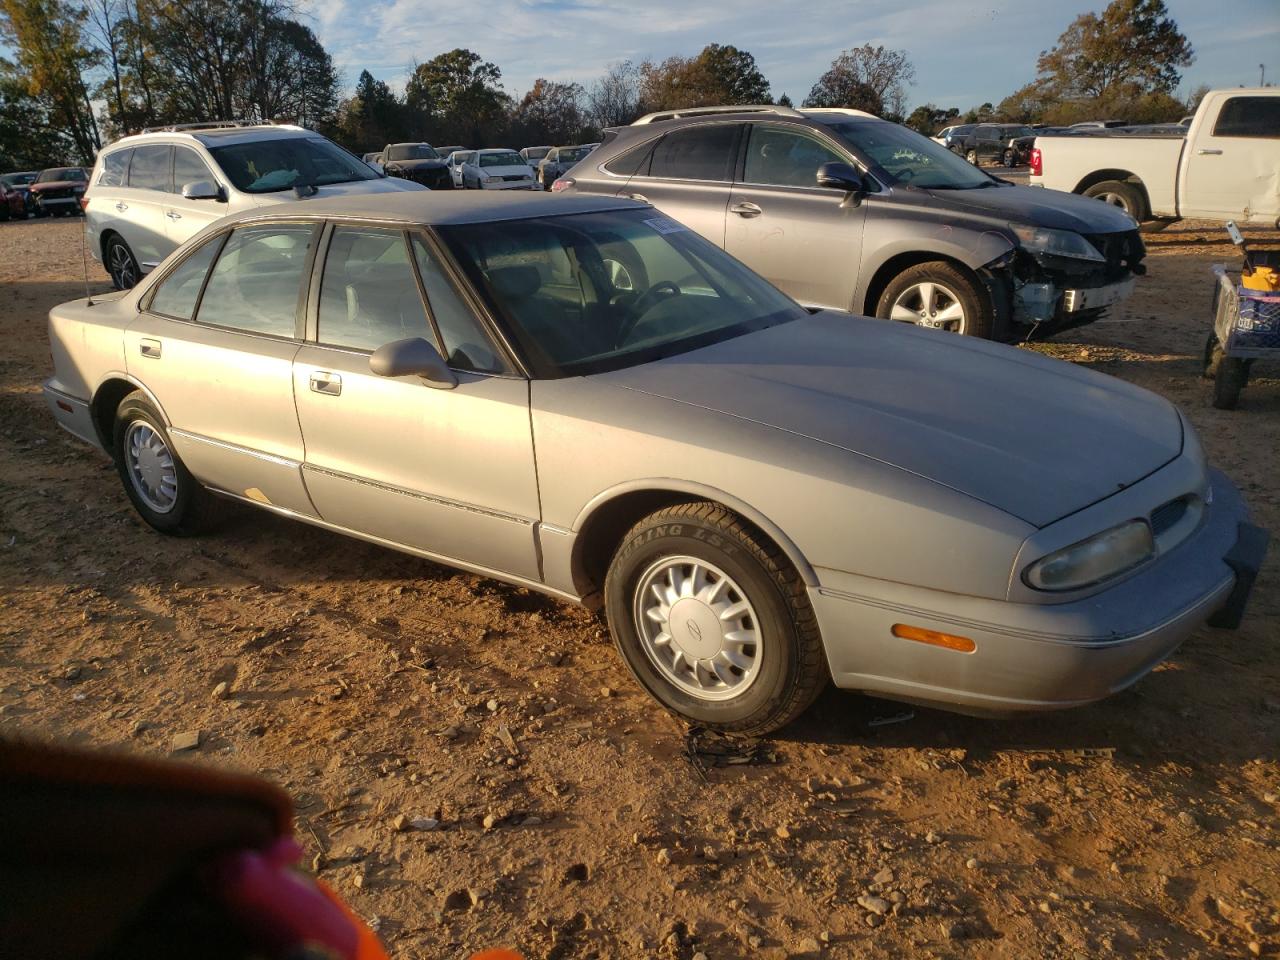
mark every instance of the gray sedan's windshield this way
{"type": "Point", "coordinates": [268, 166]}
{"type": "Point", "coordinates": [598, 291]}
{"type": "Point", "coordinates": [905, 157]}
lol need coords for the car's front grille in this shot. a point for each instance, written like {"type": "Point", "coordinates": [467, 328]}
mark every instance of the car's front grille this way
{"type": "Point", "coordinates": [58, 193]}
{"type": "Point", "coordinates": [1165, 517]}
{"type": "Point", "coordinates": [1122, 250]}
{"type": "Point", "coordinates": [515, 176]}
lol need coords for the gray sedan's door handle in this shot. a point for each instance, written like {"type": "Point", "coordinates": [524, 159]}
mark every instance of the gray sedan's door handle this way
{"type": "Point", "coordinates": [1209, 152]}
{"type": "Point", "coordinates": [746, 210]}
{"type": "Point", "coordinates": [173, 215]}
{"type": "Point", "coordinates": [149, 348]}
{"type": "Point", "coordinates": [327, 383]}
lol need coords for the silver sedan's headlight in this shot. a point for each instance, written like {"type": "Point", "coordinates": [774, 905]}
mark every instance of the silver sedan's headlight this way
{"type": "Point", "coordinates": [1091, 561]}
{"type": "Point", "coordinates": [1055, 243]}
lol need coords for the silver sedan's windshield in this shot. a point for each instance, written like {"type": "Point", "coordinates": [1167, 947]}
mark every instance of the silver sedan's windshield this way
{"type": "Point", "coordinates": [588, 292]}
{"type": "Point", "coordinates": [511, 159]}
{"type": "Point", "coordinates": [268, 166]}
{"type": "Point", "coordinates": [905, 157]}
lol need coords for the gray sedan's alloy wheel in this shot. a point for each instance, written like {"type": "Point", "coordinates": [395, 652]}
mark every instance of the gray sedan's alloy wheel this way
{"type": "Point", "coordinates": [930, 304]}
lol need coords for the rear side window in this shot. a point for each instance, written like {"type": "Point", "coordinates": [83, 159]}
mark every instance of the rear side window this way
{"type": "Point", "coordinates": [1249, 117]}
{"type": "Point", "coordinates": [150, 167]}
{"type": "Point", "coordinates": [632, 163]}
{"type": "Point", "coordinates": [255, 284]}
{"type": "Point", "coordinates": [115, 169]}
{"type": "Point", "coordinates": [369, 296]}
{"type": "Point", "coordinates": [695, 153]}
{"type": "Point", "coordinates": [177, 294]}
{"type": "Point", "coordinates": [188, 167]}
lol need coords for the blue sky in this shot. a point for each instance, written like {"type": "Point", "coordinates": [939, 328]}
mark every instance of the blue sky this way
{"type": "Point", "coordinates": [964, 53]}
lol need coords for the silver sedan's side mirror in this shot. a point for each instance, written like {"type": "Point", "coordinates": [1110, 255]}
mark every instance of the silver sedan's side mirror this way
{"type": "Point", "coordinates": [413, 357]}
{"type": "Point", "coordinates": [202, 190]}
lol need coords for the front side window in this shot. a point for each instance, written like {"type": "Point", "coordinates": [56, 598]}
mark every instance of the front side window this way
{"type": "Point", "coordinates": [695, 153]}
{"type": "Point", "coordinates": [115, 169]}
{"type": "Point", "coordinates": [786, 158]}
{"type": "Point", "coordinates": [368, 295]}
{"type": "Point", "coordinates": [255, 284]}
{"type": "Point", "coordinates": [149, 169]}
{"type": "Point", "coordinates": [589, 292]}
{"type": "Point", "coordinates": [1249, 117]}
{"type": "Point", "coordinates": [269, 166]}
{"type": "Point", "coordinates": [466, 345]}
{"type": "Point", "coordinates": [188, 167]}
{"type": "Point", "coordinates": [178, 293]}
{"type": "Point", "coordinates": [903, 156]}
{"type": "Point", "coordinates": [511, 159]}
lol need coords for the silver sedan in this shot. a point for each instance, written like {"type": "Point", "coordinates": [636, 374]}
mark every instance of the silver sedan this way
{"type": "Point", "coordinates": [581, 396]}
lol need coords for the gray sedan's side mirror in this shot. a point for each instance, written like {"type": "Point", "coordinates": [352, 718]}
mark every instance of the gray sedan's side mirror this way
{"type": "Point", "coordinates": [202, 190]}
{"type": "Point", "coordinates": [841, 176]}
{"type": "Point", "coordinates": [413, 357]}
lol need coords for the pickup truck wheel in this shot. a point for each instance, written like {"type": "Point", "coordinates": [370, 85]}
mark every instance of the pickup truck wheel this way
{"type": "Point", "coordinates": [1007, 158]}
{"type": "Point", "coordinates": [1229, 379]}
{"type": "Point", "coordinates": [1119, 194]}
{"type": "Point", "coordinates": [941, 296]}
{"type": "Point", "coordinates": [713, 621]}
{"type": "Point", "coordinates": [162, 490]}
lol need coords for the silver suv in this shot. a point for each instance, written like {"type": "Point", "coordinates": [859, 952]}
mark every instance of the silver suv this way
{"type": "Point", "coordinates": [151, 192]}
{"type": "Point", "coordinates": [845, 211]}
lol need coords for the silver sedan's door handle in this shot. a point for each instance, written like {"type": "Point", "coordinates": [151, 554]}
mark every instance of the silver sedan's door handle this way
{"type": "Point", "coordinates": [638, 197]}
{"type": "Point", "coordinates": [149, 348]}
{"type": "Point", "coordinates": [1209, 152]}
{"type": "Point", "coordinates": [746, 210]}
{"type": "Point", "coordinates": [121, 206]}
{"type": "Point", "coordinates": [327, 383]}
{"type": "Point", "coordinates": [173, 215]}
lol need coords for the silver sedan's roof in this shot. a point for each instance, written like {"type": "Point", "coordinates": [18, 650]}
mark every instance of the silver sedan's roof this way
{"type": "Point", "coordinates": [443, 207]}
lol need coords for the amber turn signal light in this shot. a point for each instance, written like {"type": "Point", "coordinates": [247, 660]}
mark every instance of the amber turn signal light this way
{"type": "Point", "coordinates": [934, 638]}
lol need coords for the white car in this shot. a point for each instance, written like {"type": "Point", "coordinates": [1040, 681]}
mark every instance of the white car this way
{"type": "Point", "coordinates": [455, 161]}
{"type": "Point", "coordinates": [151, 192]}
{"type": "Point", "coordinates": [498, 169]}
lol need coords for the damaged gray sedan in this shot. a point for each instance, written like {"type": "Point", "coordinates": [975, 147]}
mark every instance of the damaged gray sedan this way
{"type": "Point", "coordinates": [581, 396]}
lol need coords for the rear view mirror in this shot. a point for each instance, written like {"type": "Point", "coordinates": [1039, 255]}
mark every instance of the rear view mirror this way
{"type": "Point", "coordinates": [202, 190]}
{"type": "Point", "coordinates": [413, 357]}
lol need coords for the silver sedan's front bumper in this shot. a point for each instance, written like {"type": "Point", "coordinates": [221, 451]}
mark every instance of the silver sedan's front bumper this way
{"type": "Point", "coordinates": [1030, 657]}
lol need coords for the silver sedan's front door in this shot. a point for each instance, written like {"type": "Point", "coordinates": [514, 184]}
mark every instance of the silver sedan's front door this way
{"type": "Point", "coordinates": [449, 472]}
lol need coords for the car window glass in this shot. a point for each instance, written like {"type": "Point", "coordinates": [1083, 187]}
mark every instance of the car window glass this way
{"type": "Point", "coordinates": [177, 294]}
{"type": "Point", "coordinates": [466, 345]}
{"type": "Point", "coordinates": [785, 158]}
{"type": "Point", "coordinates": [270, 166]}
{"type": "Point", "coordinates": [188, 167]}
{"type": "Point", "coordinates": [633, 163]}
{"type": "Point", "coordinates": [500, 159]}
{"type": "Point", "coordinates": [1249, 117]}
{"type": "Point", "coordinates": [149, 169]}
{"type": "Point", "coordinates": [695, 153]}
{"type": "Point", "coordinates": [254, 285]}
{"type": "Point", "coordinates": [368, 295]}
{"type": "Point", "coordinates": [115, 169]}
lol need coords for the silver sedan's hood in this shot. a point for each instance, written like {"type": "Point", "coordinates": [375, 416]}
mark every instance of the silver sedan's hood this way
{"type": "Point", "coordinates": [1037, 438]}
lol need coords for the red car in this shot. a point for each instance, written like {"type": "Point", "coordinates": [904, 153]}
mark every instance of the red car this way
{"type": "Point", "coordinates": [57, 191]}
{"type": "Point", "coordinates": [14, 194]}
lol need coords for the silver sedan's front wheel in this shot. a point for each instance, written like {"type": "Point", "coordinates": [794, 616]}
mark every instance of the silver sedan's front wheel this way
{"type": "Point", "coordinates": [151, 467]}
{"type": "Point", "coordinates": [698, 627]}
{"type": "Point", "coordinates": [929, 304]}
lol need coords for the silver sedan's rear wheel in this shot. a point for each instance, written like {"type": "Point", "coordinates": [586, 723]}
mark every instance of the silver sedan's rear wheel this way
{"type": "Point", "coordinates": [698, 628]}
{"type": "Point", "coordinates": [713, 620]}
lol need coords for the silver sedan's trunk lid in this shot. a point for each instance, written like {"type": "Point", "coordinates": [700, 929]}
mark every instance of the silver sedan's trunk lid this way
{"type": "Point", "coordinates": [1035, 437]}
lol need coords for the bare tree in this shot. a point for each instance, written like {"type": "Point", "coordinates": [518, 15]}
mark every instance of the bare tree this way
{"type": "Point", "coordinates": [865, 77]}
{"type": "Point", "coordinates": [614, 99]}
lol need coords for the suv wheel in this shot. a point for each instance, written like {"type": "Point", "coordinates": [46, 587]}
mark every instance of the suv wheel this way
{"type": "Point", "coordinates": [121, 264]}
{"type": "Point", "coordinates": [971, 156]}
{"type": "Point", "coordinates": [938, 295]}
{"type": "Point", "coordinates": [713, 621]}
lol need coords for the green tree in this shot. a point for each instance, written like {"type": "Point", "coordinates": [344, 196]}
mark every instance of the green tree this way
{"type": "Point", "coordinates": [28, 137]}
{"type": "Point", "coordinates": [717, 76]}
{"type": "Point", "coordinates": [372, 118]}
{"type": "Point", "coordinates": [928, 118]}
{"type": "Point", "coordinates": [458, 96]}
{"type": "Point", "coordinates": [866, 78]}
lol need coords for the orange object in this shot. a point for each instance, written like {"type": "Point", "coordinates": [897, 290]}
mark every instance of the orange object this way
{"type": "Point", "coordinates": [934, 638]}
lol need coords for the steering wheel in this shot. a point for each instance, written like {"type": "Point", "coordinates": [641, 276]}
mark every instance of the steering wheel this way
{"type": "Point", "coordinates": [643, 304]}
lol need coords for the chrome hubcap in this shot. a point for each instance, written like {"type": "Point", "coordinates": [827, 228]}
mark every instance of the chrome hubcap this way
{"type": "Point", "coordinates": [929, 304]}
{"type": "Point", "coordinates": [122, 268]}
{"type": "Point", "coordinates": [1114, 199]}
{"type": "Point", "coordinates": [698, 628]}
{"type": "Point", "coordinates": [151, 466]}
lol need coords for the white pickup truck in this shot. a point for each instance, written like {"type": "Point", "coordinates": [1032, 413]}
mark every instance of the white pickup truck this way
{"type": "Point", "coordinates": [1226, 166]}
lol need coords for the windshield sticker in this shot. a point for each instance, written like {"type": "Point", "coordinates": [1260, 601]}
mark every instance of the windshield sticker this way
{"type": "Point", "coordinates": [665, 225]}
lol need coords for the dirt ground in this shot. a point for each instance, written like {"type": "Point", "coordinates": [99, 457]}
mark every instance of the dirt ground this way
{"type": "Point", "coordinates": [575, 819]}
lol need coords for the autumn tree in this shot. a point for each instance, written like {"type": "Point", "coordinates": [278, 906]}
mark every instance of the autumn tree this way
{"type": "Point", "coordinates": [614, 99]}
{"type": "Point", "coordinates": [550, 113]}
{"type": "Point", "coordinates": [717, 76]}
{"type": "Point", "coordinates": [29, 139]}
{"type": "Point", "coordinates": [871, 78]}
{"type": "Point", "coordinates": [928, 118]}
{"type": "Point", "coordinates": [458, 96]}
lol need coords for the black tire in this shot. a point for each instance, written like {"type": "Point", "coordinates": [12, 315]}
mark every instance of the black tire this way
{"type": "Point", "coordinates": [121, 264]}
{"type": "Point", "coordinates": [193, 507]}
{"type": "Point", "coordinates": [1211, 358]}
{"type": "Point", "coordinates": [792, 667]}
{"type": "Point", "coordinates": [979, 315]}
{"type": "Point", "coordinates": [1231, 377]}
{"type": "Point", "coordinates": [972, 157]}
{"type": "Point", "coordinates": [1008, 158]}
{"type": "Point", "coordinates": [1120, 194]}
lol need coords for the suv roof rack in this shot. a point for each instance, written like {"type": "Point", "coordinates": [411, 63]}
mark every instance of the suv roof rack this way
{"type": "Point", "coordinates": [847, 111]}
{"type": "Point", "coordinates": [206, 125]}
{"type": "Point", "coordinates": [700, 111]}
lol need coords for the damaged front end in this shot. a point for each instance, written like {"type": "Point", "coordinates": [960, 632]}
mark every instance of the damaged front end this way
{"type": "Point", "coordinates": [1056, 279]}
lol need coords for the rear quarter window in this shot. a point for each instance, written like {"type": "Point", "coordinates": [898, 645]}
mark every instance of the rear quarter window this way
{"type": "Point", "coordinates": [115, 168]}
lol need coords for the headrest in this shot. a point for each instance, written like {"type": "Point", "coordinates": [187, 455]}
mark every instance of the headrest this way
{"type": "Point", "coordinates": [516, 282]}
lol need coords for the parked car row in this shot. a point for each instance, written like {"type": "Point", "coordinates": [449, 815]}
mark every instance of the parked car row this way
{"type": "Point", "coordinates": [54, 192]}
